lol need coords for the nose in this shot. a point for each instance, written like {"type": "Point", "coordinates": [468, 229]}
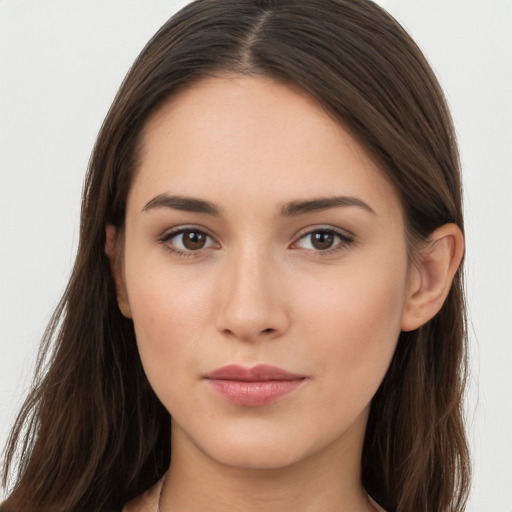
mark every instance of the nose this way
{"type": "Point", "coordinates": [251, 298]}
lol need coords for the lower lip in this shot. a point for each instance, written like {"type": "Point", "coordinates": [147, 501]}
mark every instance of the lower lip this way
{"type": "Point", "coordinates": [253, 394]}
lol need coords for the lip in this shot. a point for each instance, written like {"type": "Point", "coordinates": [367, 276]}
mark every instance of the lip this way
{"type": "Point", "coordinates": [253, 387]}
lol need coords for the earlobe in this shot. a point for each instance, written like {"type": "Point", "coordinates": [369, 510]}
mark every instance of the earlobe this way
{"type": "Point", "coordinates": [111, 250]}
{"type": "Point", "coordinates": [432, 276]}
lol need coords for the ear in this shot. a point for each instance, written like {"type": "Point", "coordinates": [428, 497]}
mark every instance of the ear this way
{"type": "Point", "coordinates": [432, 275]}
{"type": "Point", "coordinates": [111, 250]}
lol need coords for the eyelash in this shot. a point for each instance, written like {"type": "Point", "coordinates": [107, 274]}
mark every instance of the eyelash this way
{"type": "Point", "coordinates": [179, 252]}
{"type": "Point", "coordinates": [344, 240]}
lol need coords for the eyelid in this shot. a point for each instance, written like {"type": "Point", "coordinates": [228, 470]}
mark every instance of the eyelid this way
{"type": "Point", "coordinates": [345, 236]}
{"type": "Point", "coordinates": [174, 232]}
{"type": "Point", "coordinates": [344, 233]}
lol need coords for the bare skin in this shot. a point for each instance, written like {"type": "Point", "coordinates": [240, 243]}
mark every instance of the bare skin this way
{"type": "Point", "coordinates": [258, 274]}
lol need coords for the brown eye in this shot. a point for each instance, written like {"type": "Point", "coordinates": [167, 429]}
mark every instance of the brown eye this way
{"type": "Point", "coordinates": [322, 240]}
{"type": "Point", "coordinates": [186, 241]}
{"type": "Point", "coordinates": [194, 240]}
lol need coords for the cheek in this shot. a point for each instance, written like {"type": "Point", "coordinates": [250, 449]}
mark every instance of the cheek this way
{"type": "Point", "coordinates": [170, 313]}
{"type": "Point", "coordinates": [355, 321]}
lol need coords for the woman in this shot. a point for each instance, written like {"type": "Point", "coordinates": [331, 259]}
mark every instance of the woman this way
{"type": "Point", "coordinates": [270, 255]}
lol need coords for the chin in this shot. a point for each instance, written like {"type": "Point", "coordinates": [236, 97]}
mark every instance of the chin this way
{"type": "Point", "coordinates": [257, 458]}
{"type": "Point", "coordinates": [263, 445]}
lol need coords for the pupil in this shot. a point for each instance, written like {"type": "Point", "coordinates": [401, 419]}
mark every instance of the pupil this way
{"type": "Point", "coordinates": [322, 241]}
{"type": "Point", "coordinates": [193, 240]}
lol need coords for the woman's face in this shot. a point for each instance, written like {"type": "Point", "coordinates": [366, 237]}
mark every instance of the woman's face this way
{"type": "Point", "coordinates": [258, 232]}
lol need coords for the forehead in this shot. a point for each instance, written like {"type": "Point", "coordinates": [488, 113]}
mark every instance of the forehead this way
{"type": "Point", "coordinates": [253, 139]}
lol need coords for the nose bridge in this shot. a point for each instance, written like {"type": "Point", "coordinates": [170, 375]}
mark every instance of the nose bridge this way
{"type": "Point", "coordinates": [251, 302]}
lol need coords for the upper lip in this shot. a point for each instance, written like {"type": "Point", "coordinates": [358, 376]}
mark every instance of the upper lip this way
{"type": "Point", "coordinates": [258, 373]}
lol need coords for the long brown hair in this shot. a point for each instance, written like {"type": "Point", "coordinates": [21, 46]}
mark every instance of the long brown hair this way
{"type": "Point", "coordinates": [92, 434]}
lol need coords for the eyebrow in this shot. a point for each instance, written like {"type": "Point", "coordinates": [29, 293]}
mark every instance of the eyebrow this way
{"type": "Point", "coordinates": [187, 204]}
{"type": "Point", "coordinates": [312, 205]}
{"type": "Point", "coordinates": [291, 209]}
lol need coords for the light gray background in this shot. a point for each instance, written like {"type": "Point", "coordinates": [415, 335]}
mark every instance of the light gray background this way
{"type": "Point", "coordinates": [61, 63]}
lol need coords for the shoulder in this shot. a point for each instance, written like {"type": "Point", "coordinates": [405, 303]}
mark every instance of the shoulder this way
{"type": "Point", "coordinates": [147, 502]}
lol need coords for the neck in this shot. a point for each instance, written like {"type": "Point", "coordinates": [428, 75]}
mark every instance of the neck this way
{"type": "Point", "coordinates": [329, 481]}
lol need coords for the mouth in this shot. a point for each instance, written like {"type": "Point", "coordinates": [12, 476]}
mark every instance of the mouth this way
{"type": "Point", "coordinates": [253, 387]}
